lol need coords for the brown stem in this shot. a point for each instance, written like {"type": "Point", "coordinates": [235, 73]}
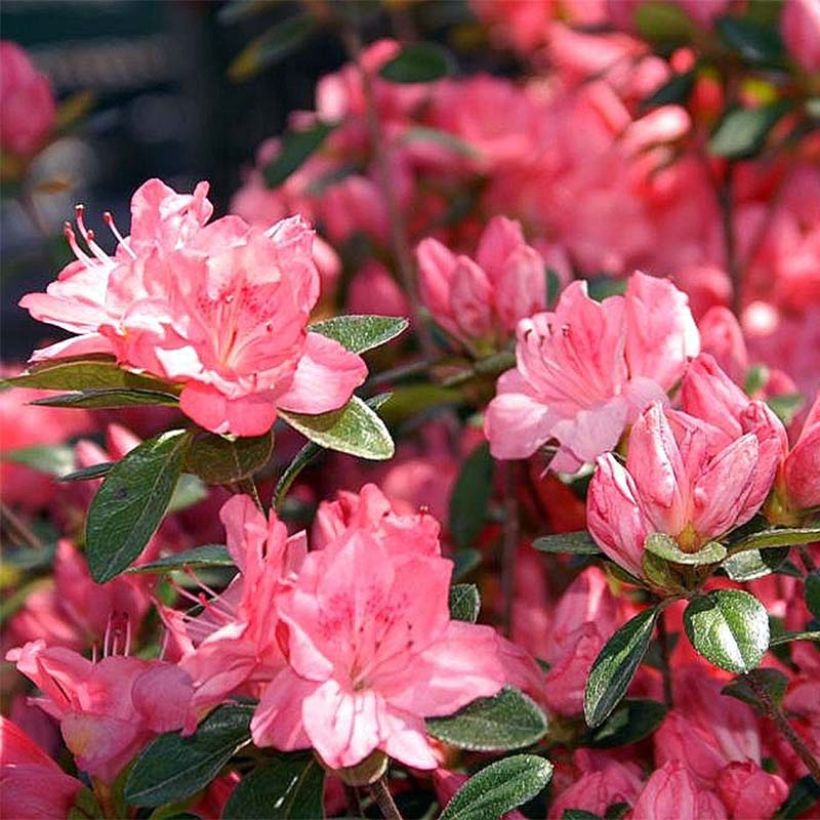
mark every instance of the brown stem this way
{"type": "Point", "coordinates": [725, 194]}
{"type": "Point", "coordinates": [510, 543]}
{"type": "Point", "coordinates": [399, 242]}
{"type": "Point", "coordinates": [786, 729]}
{"type": "Point", "coordinates": [18, 528]}
{"type": "Point", "coordinates": [666, 669]}
{"type": "Point", "coordinates": [381, 794]}
{"type": "Point", "coordinates": [248, 486]}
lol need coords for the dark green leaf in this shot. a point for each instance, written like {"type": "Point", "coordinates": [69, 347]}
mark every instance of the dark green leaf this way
{"type": "Point", "coordinates": [616, 665]}
{"type": "Point", "coordinates": [465, 603]}
{"type": "Point", "coordinates": [471, 496]}
{"type": "Point", "coordinates": [209, 555]}
{"type": "Point", "coordinates": [173, 767]}
{"type": "Point", "coordinates": [746, 688]}
{"type": "Point", "coordinates": [110, 399]}
{"type": "Point", "coordinates": [788, 637]}
{"type": "Point", "coordinates": [189, 490]}
{"type": "Point", "coordinates": [269, 48]}
{"type": "Point", "coordinates": [89, 473]}
{"type": "Point", "coordinates": [53, 459]}
{"type": "Point", "coordinates": [235, 10]}
{"type": "Point", "coordinates": [785, 406]}
{"type": "Point", "coordinates": [575, 543]}
{"type": "Point", "coordinates": [289, 786]}
{"type": "Point", "coordinates": [297, 146]}
{"type": "Point", "coordinates": [676, 91]}
{"type": "Point", "coordinates": [131, 502]}
{"type": "Point", "coordinates": [755, 42]}
{"type": "Point", "coordinates": [353, 429]}
{"type": "Point", "coordinates": [742, 131]}
{"type": "Point", "coordinates": [665, 23]}
{"type": "Point", "coordinates": [813, 592]}
{"type": "Point", "coordinates": [771, 539]}
{"type": "Point", "coordinates": [499, 788]}
{"type": "Point", "coordinates": [361, 333]}
{"type": "Point", "coordinates": [465, 562]}
{"type": "Point", "coordinates": [579, 814]}
{"type": "Point", "coordinates": [219, 460]}
{"type": "Point", "coordinates": [802, 798]}
{"type": "Point", "coordinates": [667, 548]}
{"type": "Point", "coordinates": [632, 721]}
{"type": "Point", "coordinates": [509, 720]}
{"type": "Point", "coordinates": [86, 373]}
{"type": "Point", "coordinates": [412, 399]}
{"type": "Point", "coordinates": [728, 627]}
{"type": "Point", "coordinates": [752, 564]}
{"type": "Point", "coordinates": [420, 133]}
{"type": "Point", "coordinates": [418, 63]}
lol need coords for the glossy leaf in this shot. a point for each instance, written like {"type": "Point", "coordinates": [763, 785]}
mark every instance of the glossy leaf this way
{"type": "Point", "coordinates": [632, 721]}
{"type": "Point", "coordinates": [471, 497]}
{"type": "Point", "coordinates": [189, 490]}
{"type": "Point", "coordinates": [220, 460]}
{"type": "Point", "coordinates": [729, 627]}
{"type": "Point", "coordinates": [110, 399]}
{"type": "Point", "coordinates": [574, 543]}
{"type": "Point", "coordinates": [772, 539]}
{"type": "Point", "coordinates": [749, 565]}
{"type": "Point", "coordinates": [418, 63]}
{"type": "Point", "coordinates": [353, 429]}
{"type": "Point", "coordinates": [130, 504]}
{"type": "Point", "coordinates": [755, 42]}
{"type": "Point", "coordinates": [743, 131]}
{"type": "Point", "coordinates": [209, 555]}
{"type": "Point", "coordinates": [361, 333]}
{"type": "Point", "coordinates": [465, 603]}
{"type": "Point", "coordinates": [297, 146]}
{"type": "Point", "coordinates": [675, 91]}
{"type": "Point", "coordinates": [89, 473]}
{"type": "Point", "coordinates": [616, 665]}
{"type": "Point", "coordinates": [747, 688]}
{"type": "Point", "coordinates": [173, 767]}
{"type": "Point", "coordinates": [509, 720]}
{"type": "Point", "coordinates": [667, 548]}
{"type": "Point", "coordinates": [499, 788]}
{"type": "Point", "coordinates": [289, 786]}
{"type": "Point", "coordinates": [273, 45]}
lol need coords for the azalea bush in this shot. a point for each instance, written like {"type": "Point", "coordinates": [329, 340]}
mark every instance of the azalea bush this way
{"type": "Point", "coordinates": [468, 467]}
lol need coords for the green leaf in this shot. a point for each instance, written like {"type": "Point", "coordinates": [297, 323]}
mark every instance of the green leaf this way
{"type": "Point", "coordinates": [676, 91]}
{"type": "Point", "coordinates": [272, 46]}
{"type": "Point", "coordinates": [579, 814]}
{"type": "Point", "coordinates": [813, 592]}
{"type": "Point", "coordinates": [53, 459]}
{"type": "Point", "coordinates": [361, 333]}
{"type": "Point", "coordinates": [130, 504]}
{"type": "Point", "coordinates": [173, 767]}
{"type": "Point", "coordinates": [418, 63]}
{"type": "Point", "coordinates": [509, 720]}
{"type": "Point", "coordinates": [728, 627]}
{"type": "Point", "coordinates": [189, 490]}
{"type": "Point", "coordinates": [110, 399]}
{"type": "Point", "coordinates": [220, 460]}
{"type": "Point", "coordinates": [744, 687]}
{"type": "Point", "coordinates": [802, 797]}
{"type": "Point", "coordinates": [665, 23]}
{"type": "Point", "coordinates": [575, 543]}
{"type": "Point", "coordinates": [235, 10]}
{"type": "Point", "coordinates": [297, 146]}
{"type": "Point", "coordinates": [353, 429]}
{"type": "Point", "coordinates": [465, 562]}
{"type": "Point", "coordinates": [471, 497]}
{"type": "Point", "coordinates": [771, 539]}
{"type": "Point", "coordinates": [499, 788]}
{"type": "Point", "coordinates": [465, 603]}
{"type": "Point", "coordinates": [86, 373]}
{"type": "Point", "coordinates": [788, 637]}
{"type": "Point", "coordinates": [752, 564]}
{"type": "Point", "coordinates": [632, 721]}
{"type": "Point", "coordinates": [89, 473]}
{"type": "Point", "coordinates": [616, 665]}
{"type": "Point", "coordinates": [412, 399]}
{"type": "Point", "coordinates": [755, 42]}
{"type": "Point", "coordinates": [420, 133]}
{"type": "Point", "coordinates": [209, 555]}
{"type": "Point", "coordinates": [786, 405]}
{"type": "Point", "coordinates": [667, 548]}
{"type": "Point", "coordinates": [742, 131]}
{"type": "Point", "coordinates": [289, 786]}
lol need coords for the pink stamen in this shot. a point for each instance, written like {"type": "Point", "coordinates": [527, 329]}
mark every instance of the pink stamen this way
{"type": "Point", "coordinates": [112, 226]}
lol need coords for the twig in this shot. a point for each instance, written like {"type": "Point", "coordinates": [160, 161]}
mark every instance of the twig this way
{"type": "Point", "coordinates": [18, 528]}
{"type": "Point", "coordinates": [381, 794]}
{"type": "Point", "coordinates": [248, 486]}
{"type": "Point", "coordinates": [725, 194]}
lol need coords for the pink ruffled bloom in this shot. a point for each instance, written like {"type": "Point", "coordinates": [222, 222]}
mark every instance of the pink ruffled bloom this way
{"type": "Point", "coordinates": [684, 478]}
{"type": "Point", "coordinates": [32, 784]}
{"type": "Point", "coordinates": [107, 710]}
{"type": "Point", "coordinates": [800, 27]}
{"type": "Point", "coordinates": [369, 657]}
{"type": "Point", "coordinates": [27, 106]}
{"type": "Point", "coordinates": [586, 370]}
{"type": "Point", "coordinates": [481, 301]}
{"type": "Point", "coordinates": [798, 480]}
{"type": "Point", "coordinates": [221, 309]}
{"type": "Point", "coordinates": [672, 794]}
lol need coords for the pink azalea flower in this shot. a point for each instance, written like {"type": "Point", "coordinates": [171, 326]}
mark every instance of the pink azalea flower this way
{"type": "Point", "coordinates": [672, 794]}
{"type": "Point", "coordinates": [108, 710]}
{"type": "Point", "coordinates": [596, 791]}
{"type": "Point", "coordinates": [684, 478]}
{"type": "Point", "coordinates": [481, 301]}
{"type": "Point", "coordinates": [32, 784]}
{"type": "Point", "coordinates": [585, 371]}
{"type": "Point", "coordinates": [26, 102]}
{"type": "Point", "coordinates": [221, 309]}
{"type": "Point", "coordinates": [800, 27]}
